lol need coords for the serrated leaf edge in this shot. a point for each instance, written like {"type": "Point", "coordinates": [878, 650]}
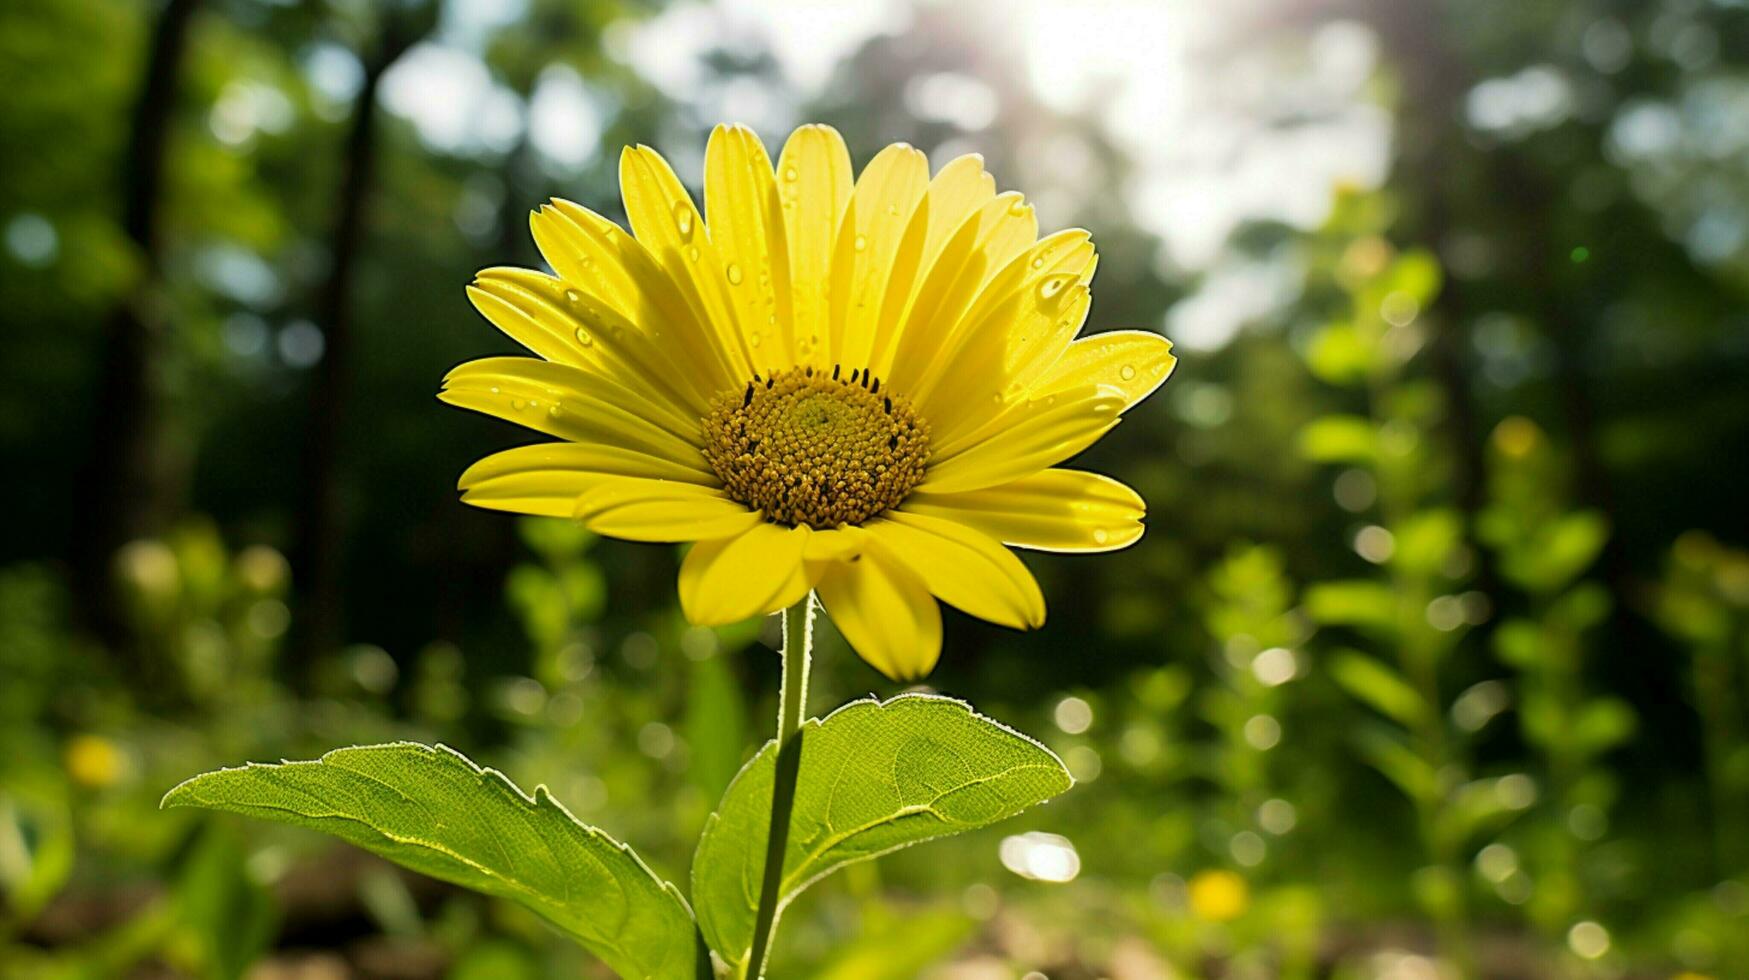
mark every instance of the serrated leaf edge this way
{"type": "Point", "coordinates": [484, 774]}
{"type": "Point", "coordinates": [788, 895]}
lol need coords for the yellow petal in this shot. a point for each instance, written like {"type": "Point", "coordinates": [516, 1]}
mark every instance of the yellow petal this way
{"type": "Point", "coordinates": [1024, 317]}
{"type": "Point", "coordinates": [978, 389]}
{"type": "Point", "coordinates": [758, 571]}
{"type": "Point", "coordinates": [640, 509]}
{"type": "Point", "coordinates": [948, 285]}
{"type": "Point", "coordinates": [746, 225]}
{"type": "Point", "coordinates": [966, 569]}
{"type": "Point", "coordinates": [546, 478]}
{"type": "Point", "coordinates": [885, 613]}
{"type": "Point", "coordinates": [1009, 226]}
{"type": "Point", "coordinates": [573, 404]}
{"type": "Point", "coordinates": [562, 325]}
{"type": "Point", "coordinates": [1135, 362]}
{"type": "Point", "coordinates": [863, 269]}
{"type": "Point", "coordinates": [669, 225]}
{"type": "Point", "coordinates": [613, 270]}
{"type": "Point", "coordinates": [1057, 510]}
{"type": "Point", "coordinates": [814, 182]}
{"type": "Point", "coordinates": [958, 191]}
{"type": "Point", "coordinates": [838, 544]}
{"type": "Point", "coordinates": [1029, 437]}
{"type": "Point", "coordinates": [988, 238]}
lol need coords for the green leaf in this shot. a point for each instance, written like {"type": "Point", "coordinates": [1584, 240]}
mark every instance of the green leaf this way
{"type": "Point", "coordinates": [1353, 602]}
{"type": "Point", "coordinates": [1603, 724]}
{"type": "Point", "coordinates": [1341, 355]}
{"type": "Point", "coordinates": [1339, 439]}
{"type": "Point", "coordinates": [1389, 753]}
{"type": "Point", "coordinates": [901, 949]}
{"type": "Point", "coordinates": [1416, 273]}
{"type": "Point", "coordinates": [1482, 805]}
{"type": "Point", "coordinates": [1379, 686]}
{"type": "Point", "coordinates": [226, 919]}
{"type": "Point", "coordinates": [1425, 541]}
{"type": "Point", "coordinates": [875, 777]}
{"type": "Point", "coordinates": [1561, 551]}
{"type": "Point", "coordinates": [434, 811]}
{"type": "Point", "coordinates": [716, 725]}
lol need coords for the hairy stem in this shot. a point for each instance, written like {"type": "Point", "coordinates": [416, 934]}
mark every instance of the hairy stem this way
{"type": "Point", "coordinates": [792, 706]}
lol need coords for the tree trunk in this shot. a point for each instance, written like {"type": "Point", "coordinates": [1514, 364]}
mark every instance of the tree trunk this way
{"type": "Point", "coordinates": [120, 493]}
{"type": "Point", "coordinates": [321, 514]}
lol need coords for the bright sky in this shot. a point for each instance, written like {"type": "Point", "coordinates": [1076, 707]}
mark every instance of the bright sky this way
{"type": "Point", "coordinates": [1220, 130]}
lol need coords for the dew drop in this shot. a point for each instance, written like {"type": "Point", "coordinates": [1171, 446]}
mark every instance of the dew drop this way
{"type": "Point", "coordinates": [893, 210]}
{"type": "Point", "coordinates": [692, 253]}
{"type": "Point", "coordinates": [583, 337]}
{"type": "Point", "coordinates": [683, 220]}
{"type": "Point", "coordinates": [790, 174]}
{"type": "Point", "coordinates": [1038, 262]}
{"type": "Point", "coordinates": [554, 412]}
{"type": "Point", "coordinates": [861, 243]}
{"type": "Point", "coordinates": [518, 404]}
{"type": "Point", "coordinates": [1127, 372]}
{"type": "Point", "coordinates": [495, 390]}
{"type": "Point", "coordinates": [754, 340]}
{"type": "Point", "coordinates": [1019, 208]}
{"type": "Point", "coordinates": [734, 274]}
{"type": "Point", "coordinates": [1052, 285]}
{"type": "Point", "coordinates": [1101, 535]}
{"type": "Point", "coordinates": [573, 296]}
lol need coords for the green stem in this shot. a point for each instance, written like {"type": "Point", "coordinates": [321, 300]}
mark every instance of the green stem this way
{"type": "Point", "coordinates": [792, 707]}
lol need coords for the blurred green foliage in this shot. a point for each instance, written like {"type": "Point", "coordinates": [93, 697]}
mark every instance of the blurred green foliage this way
{"type": "Point", "coordinates": [1438, 645]}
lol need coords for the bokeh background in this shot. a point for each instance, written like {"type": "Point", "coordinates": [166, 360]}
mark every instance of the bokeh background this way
{"type": "Point", "coordinates": [1432, 662]}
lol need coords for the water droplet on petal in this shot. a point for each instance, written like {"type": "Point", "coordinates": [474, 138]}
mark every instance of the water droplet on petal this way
{"type": "Point", "coordinates": [573, 296]}
{"type": "Point", "coordinates": [1101, 535]}
{"type": "Point", "coordinates": [1052, 285]}
{"type": "Point", "coordinates": [789, 173]}
{"type": "Point", "coordinates": [753, 340]}
{"type": "Point", "coordinates": [1038, 262]}
{"type": "Point", "coordinates": [554, 412]}
{"type": "Point", "coordinates": [495, 390]}
{"type": "Point", "coordinates": [1019, 208]}
{"type": "Point", "coordinates": [692, 253]}
{"type": "Point", "coordinates": [1127, 372]}
{"type": "Point", "coordinates": [518, 404]}
{"type": "Point", "coordinates": [734, 274]}
{"type": "Point", "coordinates": [893, 210]}
{"type": "Point", "coordinates": [683, 220]}
{"type": "Point", "coordinates": [861, 242]}
{"type": "Point", "coordinates": [583, 337]}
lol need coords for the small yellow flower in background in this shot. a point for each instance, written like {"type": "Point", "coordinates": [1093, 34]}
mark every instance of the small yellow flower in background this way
{"type": "Point", "coordinates": [1218, 896]}
{"type": "Point", "coordinates": [860, 386]}
{"type": "Point", "coordinates": [93, 761]}
{"type": "Point", "coordinates": [1516, 437]}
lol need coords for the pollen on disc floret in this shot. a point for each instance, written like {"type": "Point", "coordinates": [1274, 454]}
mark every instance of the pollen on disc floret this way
{"type": "Point", "coordinates": [816, 448]}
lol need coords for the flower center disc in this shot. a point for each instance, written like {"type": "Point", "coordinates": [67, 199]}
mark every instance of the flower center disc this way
{"type": "Point", "coordinates": [806, 448]}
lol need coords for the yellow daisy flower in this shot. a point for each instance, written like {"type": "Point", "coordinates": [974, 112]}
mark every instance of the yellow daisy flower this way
{"type": "Point", "coordinates": [860, 387]}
